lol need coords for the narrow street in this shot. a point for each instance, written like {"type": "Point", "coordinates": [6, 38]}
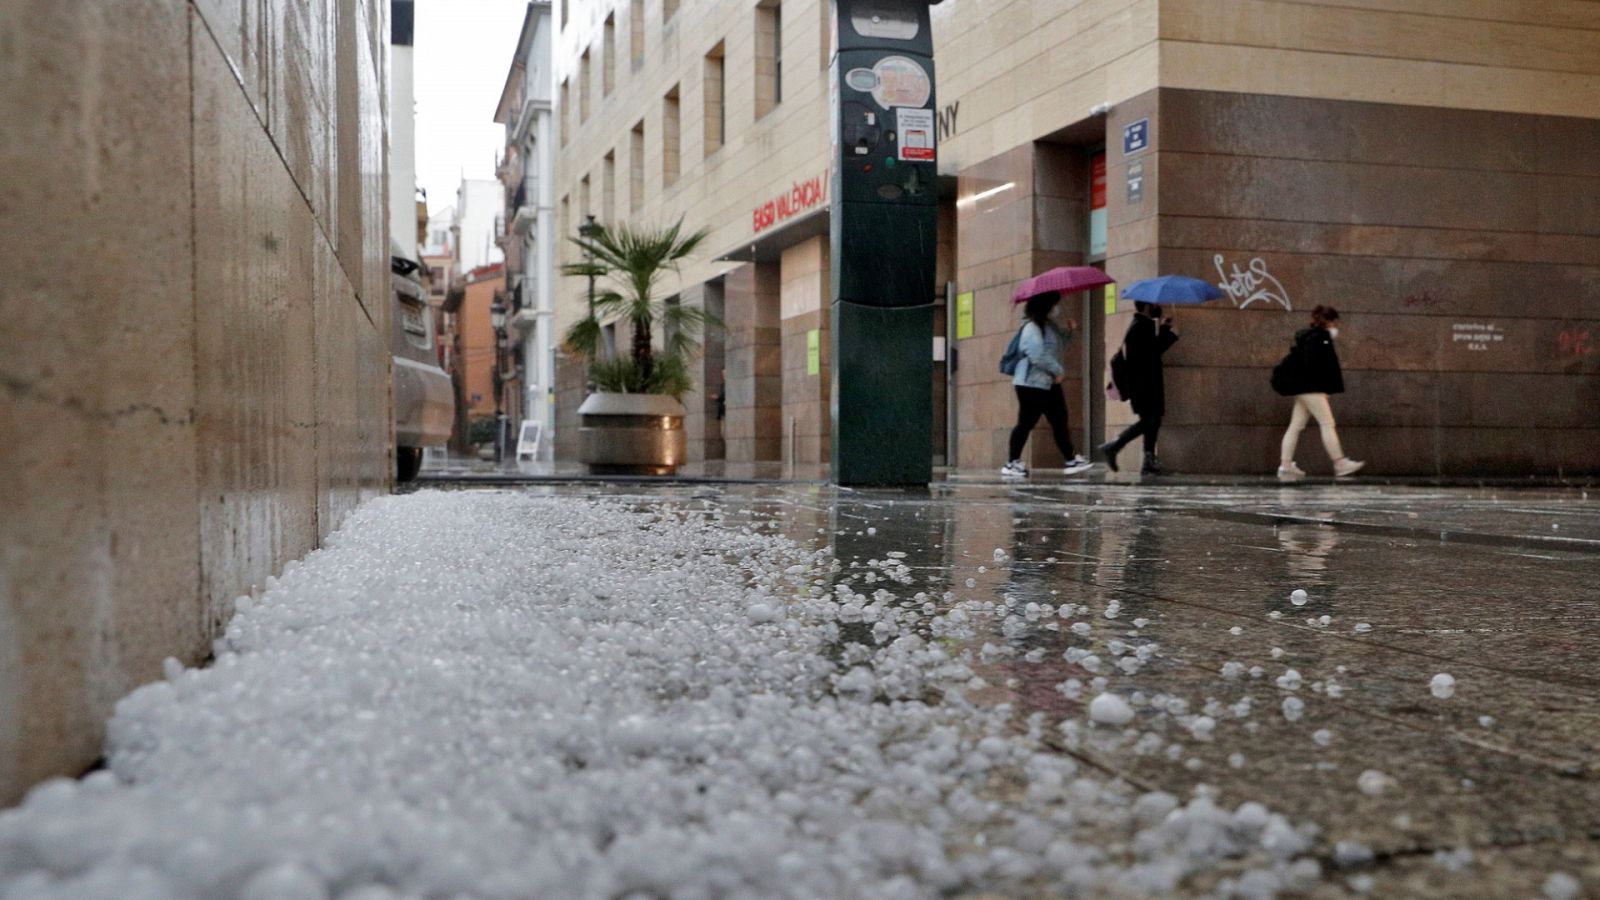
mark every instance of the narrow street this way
{"type": "Point", "coordinates": [808, 691]}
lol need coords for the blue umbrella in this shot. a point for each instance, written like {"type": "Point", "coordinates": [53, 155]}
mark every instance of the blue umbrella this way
{"type": "Point", "coordinates": [1171, 289]}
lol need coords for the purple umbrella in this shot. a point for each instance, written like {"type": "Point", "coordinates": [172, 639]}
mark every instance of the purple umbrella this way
{"type": "Point", "coordinates": [1065, 279]}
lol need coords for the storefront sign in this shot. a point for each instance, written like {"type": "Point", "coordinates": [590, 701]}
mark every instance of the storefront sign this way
{"type": "Point", "coordinates": [1097, 206]}
{"type": "Point", "coordinates": [1135, 137]}
{"type": "Point", "coordinates": [801, 196]}
{"type": "Point", "coordinates": [1136, 182]}
{"type": "Point", "coordinates": [814, 352]}
{"type": "Point", "coordinates": [964, 315]}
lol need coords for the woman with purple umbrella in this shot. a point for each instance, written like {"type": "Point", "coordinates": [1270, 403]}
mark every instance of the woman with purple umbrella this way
{"type": "Point", "coordinates": [1033, 360]}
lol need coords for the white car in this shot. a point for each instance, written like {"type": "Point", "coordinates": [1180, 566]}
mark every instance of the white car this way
{"type": "Point", "coordinates": [424, 401]}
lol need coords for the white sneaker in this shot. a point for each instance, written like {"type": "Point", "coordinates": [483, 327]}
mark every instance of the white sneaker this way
{"type": "Point", "coordinates": [1014, 469]}
{"type": "Point", "coordinates": [1347, 466]}
{"type": "Point", "coordinates": [1076, 465]}
{"type": "Point", "coordinates": [1291, 472]}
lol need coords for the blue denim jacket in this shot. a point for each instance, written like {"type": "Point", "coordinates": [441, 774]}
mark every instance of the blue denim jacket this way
{"type": "Point", "coordinates": [1041, 356]}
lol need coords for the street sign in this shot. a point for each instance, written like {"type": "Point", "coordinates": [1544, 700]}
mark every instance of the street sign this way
{"type": "Point", "coordinates": [1135, 137]}
{"type": "Point", "coordinates": [1136, 182]}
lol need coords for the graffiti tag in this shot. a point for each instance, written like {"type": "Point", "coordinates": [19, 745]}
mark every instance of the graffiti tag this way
{"type": "Point", "coordinates": [1251, 284]}
{"type": "Point", "coordinates": [1576, 343]}
{"type": "Point", "coordinates": [1422, 300]}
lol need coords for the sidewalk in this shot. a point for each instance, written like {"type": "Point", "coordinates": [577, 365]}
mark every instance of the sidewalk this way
{"type": "Point", "coordinates": [800, 690]}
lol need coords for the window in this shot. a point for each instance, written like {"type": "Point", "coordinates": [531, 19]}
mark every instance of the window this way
{"type": "Point", "coordinates": [636, 167]}
{"type": "Point", "coordinates": [716, 124]}
{"type": "Point", "coordinates": [608, 187]}
{"type": "Point", "coordinates": [566, 103]}
{"type": "Point", "coordinates": [636, 32]}
{"type": "Point", "coordinates": [585, 87]}
{"type": "Point", "coordinates": [608, 62]}
{"type": "Point", "coordinates": [584, 209]}
{"type": "Point", "coordinates": [769, 56]}
{"type": "Point", "coordinates": [669, 138]}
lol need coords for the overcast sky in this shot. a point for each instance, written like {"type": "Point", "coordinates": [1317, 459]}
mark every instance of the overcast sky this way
{"type": "Point", "coordinates": [463, 52]}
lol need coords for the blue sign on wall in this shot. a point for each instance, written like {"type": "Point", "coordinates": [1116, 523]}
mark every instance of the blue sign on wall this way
{"type": "Point", "coordinates": [1135, 137]}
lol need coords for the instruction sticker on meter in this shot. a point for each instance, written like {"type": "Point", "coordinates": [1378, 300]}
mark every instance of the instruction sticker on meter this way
{"type": "Point", "coordinates": [916, 133]}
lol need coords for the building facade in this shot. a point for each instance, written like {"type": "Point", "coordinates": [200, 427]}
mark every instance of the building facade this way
{"type": "Point", "coordinates": [527, 225]}
{"type": "Point", "coordinates": [1426, 168]}
{"type": "Point", "coordinates": [196, 313]}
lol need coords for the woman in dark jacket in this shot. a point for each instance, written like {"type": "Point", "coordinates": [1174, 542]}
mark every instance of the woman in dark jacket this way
{"type": "Point", "coordinates": [1148, 337]}
{"type": "Point", "coordinates": [1309, 375]}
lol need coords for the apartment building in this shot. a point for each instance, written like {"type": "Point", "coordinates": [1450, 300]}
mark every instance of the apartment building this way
{"type": "Point", "coordinates": [1426, 167]}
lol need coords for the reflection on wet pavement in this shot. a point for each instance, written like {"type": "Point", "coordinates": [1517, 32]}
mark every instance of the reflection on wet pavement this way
{"type": "Point", "coordinates": [1180, 601]}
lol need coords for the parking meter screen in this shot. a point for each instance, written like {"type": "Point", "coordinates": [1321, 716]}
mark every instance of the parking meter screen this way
{"type": "Point", "coordinates": [892, 19]}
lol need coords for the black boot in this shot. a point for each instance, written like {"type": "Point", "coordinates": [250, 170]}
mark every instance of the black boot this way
{"type": "Point", "coordinates": [1152, 466]}
{"type": "Point", "coordinates": [1109, 450]}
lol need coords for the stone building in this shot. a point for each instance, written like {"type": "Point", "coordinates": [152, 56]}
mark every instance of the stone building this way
{"type": "Point", "coordinates": [527, 227]}
{"type": "Point", "coordinates": [1428, 168]}
{"type": "Point", "coordinates": [196, 315]}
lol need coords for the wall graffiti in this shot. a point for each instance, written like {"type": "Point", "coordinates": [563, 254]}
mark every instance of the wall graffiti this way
{"type": "Point", "coordinates": [1576, 342]}
{"type": "Point", "coordinates": [1251, 284]}
{"type": "Point", "coordinates": [1422, 300]}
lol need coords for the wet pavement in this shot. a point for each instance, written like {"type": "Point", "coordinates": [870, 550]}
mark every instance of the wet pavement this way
{"type": "Point", "coordinates": [1498, 588]}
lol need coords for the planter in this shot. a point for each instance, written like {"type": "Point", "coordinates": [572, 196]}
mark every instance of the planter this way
{"type": "Point", "coordinates": [631, 434]}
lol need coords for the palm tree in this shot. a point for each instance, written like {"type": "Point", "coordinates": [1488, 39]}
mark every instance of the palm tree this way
{"type": "Point", "coordinates": [632, 260]}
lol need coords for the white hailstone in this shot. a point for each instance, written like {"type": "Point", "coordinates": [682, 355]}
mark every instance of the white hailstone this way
{"type": "Point", "coordinates": [1561, 886]}
{"type": "Point", "coordinates": [1236, 760]}
{"type": "Point", "coordinates": [1110, 709]}
{"type": "Point", "coordinates": [1277, 652]}
{"type": "Point", "coordinates": [1333, 689]}
{"type": "Point", "coordinates": [1373, 782]}
{"type": "Point", "coordinates": [1293, 708]}
{"type": "Point", "coordinates": [972, 582]}
{"type": "Point", "coordinates": [1486, 721]}
{"type": "Point", "coordinates": [1257, 671]}
{"type": "Point", "coordinates": [1129, 665]}
{"type": "Point", "coordinates": [872, 531]}
{"type": "Point", "coordinates": [1231, 670]}
{"type": "Point", "coordinates": [1275, 614]}
{"type": "Point", "coordinates": [1443, 686]}
{"type": "Point", "coordinates": [1202, 726]}
{"type": "Point", "coordinates": [1140, 622]}
{"type": "Point", "coordinates": [999, 555]}
{"type": "Point", "coordinates": [1081, 629]}
{"type": "Point", "coordinates": [1290, 680]}
{"type": "Point", "coordinates": [1325, 620]}
{"type": "Point", "coordinates": [1349, 854]}
{"type": "Point", "coordinates": [1236, 631]}
{"type": "Point", "coordinates": [1363, 627]}
{"type": "Point", "coordinates": [1322, 736]}
{"type": "Point", "coordinates": [982, 569]}
{"type": "Point", "coordinates": [286, 881]}
{"type": "Point", "coordinates": [1362, 884]}
{"type": "Point", "coordinates": [1299, 597]}
{"type": "Point", "coordinates": [762, 612]}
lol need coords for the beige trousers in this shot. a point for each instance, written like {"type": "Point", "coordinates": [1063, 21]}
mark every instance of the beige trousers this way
{"type": "Point", "coordinates": [1311, 406]}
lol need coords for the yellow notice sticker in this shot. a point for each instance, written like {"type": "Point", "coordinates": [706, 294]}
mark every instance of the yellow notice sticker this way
{"type": "Point", "coordinates": [814, 352]}
{"type": "Point", "coordinates": [1111, 299]}
{"type": "Point", "coordinates": [964, 315]}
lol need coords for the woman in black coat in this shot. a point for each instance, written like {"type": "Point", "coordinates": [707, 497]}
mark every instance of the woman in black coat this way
{"type": "Point", "coordinates": [1147, 339]}
{"type": "Point", "coordinates": [1309, 374]}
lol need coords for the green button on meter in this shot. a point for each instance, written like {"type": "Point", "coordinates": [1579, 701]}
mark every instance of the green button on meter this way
{"type": "Point", "coordinates": [888, 162]}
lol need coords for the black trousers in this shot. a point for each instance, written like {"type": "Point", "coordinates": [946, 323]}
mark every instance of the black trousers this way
{"type": "Point", "coordinates": [1149, 426]}
{"type": "Point", "coordinates": [1033, 403]}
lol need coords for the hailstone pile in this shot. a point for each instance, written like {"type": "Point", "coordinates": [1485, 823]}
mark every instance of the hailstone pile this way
{"type": "Point", "coordinates": [508, 695]}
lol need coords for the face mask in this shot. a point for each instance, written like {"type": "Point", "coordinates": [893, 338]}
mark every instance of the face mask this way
{"type": "Point", "coordinates": [1333, 332]}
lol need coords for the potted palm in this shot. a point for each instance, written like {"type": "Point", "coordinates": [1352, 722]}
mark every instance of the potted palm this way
{"type": "Point", "coordinates": [632, 421]}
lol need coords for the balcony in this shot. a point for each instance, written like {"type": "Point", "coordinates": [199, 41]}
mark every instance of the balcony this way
{"type": "Point", "coordinates": [522, 211]}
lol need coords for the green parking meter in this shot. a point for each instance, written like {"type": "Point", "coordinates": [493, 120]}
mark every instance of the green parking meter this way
{"type": "Point", "coordinates": [884, 231]}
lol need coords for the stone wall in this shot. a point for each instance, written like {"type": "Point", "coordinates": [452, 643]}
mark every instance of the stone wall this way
{"type": "Point", "coordinates": [1462, 248]}
{"type": "Point", "coordinates": [196, 312]}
